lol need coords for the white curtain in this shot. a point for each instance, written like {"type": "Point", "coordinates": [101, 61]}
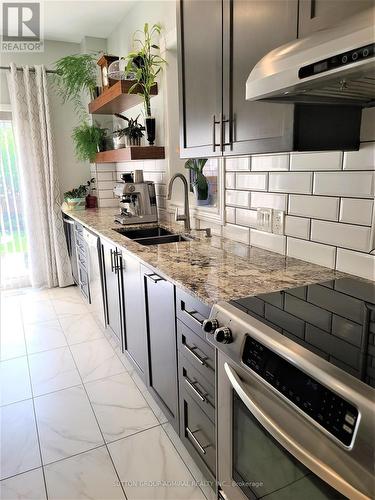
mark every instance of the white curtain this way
{"type": "Point", "coordinates": [48, 256]}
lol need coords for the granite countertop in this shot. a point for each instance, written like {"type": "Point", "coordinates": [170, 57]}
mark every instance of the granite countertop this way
{"type": "Point", "coordinates": [212, 269]}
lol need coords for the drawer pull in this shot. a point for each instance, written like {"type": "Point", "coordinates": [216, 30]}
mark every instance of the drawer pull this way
{"type": "Point", "coordinates": [193, 353]}
{"type": "Point", "coordinates": [190, 384]}
{"type": "Point", "coordinates": [155, 277]}
{"type": "Point", "coordinates": [191, 313]}
{"type": "Point", "coordinates": [201, 448]}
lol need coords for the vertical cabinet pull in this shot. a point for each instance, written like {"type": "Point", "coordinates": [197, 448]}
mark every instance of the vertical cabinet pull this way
{"type": "Point", "coordinates": [214, 123]}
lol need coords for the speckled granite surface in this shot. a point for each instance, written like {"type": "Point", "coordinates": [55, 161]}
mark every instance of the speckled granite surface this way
{"type": "Point", "coordinates": [212, 269]}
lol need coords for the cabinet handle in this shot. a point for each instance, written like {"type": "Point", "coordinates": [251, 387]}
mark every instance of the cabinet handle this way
{"type": "Point", "coordinates": [223, 121]}
{"type": "Point", "coordinates": [117, 266]}
{"type": "Point", "coordinates": [214, 123]}
{"type": "Point", "coordinates": [200, 360]}
{"type": "Point", "coordinates": [112, 268]}
{"type": "Point", "coordinates": [191, 314]}
{"type": "Point", "coordinates": [67, 221]}
{"type": "Point", "coordinates": [155, 280]}
{"type": "Point", "coordinates": [201, 448]}
{"type": "Point", "coordinates": [190, 384]}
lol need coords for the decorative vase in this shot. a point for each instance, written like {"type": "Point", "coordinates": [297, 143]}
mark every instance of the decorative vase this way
{"type": "Point", "coordinates": [76, 203]}
{"type": "Point", "coordinates": [150, 129]}
{"type": "Point", "coordinates": [91, 201]}
{"type": "Point", "coordinates": [202, 196]}
{"type": "Point", "coordinates": [118, 142]}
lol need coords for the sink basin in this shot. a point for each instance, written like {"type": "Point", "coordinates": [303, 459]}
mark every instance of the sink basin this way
{"type": "Point", "coordinates": [152, 236]}
{"type": "Point", "coordinates": [150, 232]}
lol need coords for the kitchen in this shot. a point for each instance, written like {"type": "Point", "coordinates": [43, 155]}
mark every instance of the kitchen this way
{"type": "Point", "coordinates": [188, 251]}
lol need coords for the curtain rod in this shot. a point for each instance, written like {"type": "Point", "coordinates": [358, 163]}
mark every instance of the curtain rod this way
{"type": "Point", "coordinates": [31, 69]}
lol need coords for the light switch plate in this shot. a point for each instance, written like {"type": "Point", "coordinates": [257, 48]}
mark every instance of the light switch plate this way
{"type": "Point", "coordinates": [278, 221]}
{"type": "Point", "coordinates": [264, 219]}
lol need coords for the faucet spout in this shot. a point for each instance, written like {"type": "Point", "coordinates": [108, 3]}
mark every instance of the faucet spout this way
{"type": "Point", "coordinates": [186, 216]}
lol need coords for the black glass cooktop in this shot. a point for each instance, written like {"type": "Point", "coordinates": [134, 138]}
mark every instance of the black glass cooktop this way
{"type": "Point", "coordinates": [334, 319]}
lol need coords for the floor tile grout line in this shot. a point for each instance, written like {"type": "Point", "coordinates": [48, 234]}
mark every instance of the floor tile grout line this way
{"type": "Point", "coordinates": [97, 423]}
{"type": "Point", "coordinates": [33, 403]}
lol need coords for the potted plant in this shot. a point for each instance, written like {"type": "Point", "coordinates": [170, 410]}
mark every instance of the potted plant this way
{"type": "Point", "coordinates": [133, 132]}
{"type": "Point", "coordinates": [198, 180]}
{"type": "Point", "coordinates": [145, 64]}
{"type": "Point", "coordinates": [88, 140]}
{"type": "Point", "coordinates": [76, 198]}
{"type": "Point", "coordinates": [76, 74]}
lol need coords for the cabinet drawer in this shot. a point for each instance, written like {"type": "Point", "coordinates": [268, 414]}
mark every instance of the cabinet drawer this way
{"type": "Point", "coordinates": [191, 311]}
{"type": "Point", "coordinates": [193, 382]}
{"type": "Point", "coordinates": [198, 434]}
{"type": "Point", "coordinates": [196, 351]}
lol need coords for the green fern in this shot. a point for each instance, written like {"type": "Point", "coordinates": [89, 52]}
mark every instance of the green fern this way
{"type": "Point", "coordinates": [88, 140]}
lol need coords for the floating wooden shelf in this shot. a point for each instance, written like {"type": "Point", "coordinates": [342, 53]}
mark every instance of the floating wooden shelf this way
{"type": "Point", "coordinates": [131, 153]}
{"type": "Point", "coordinates": [116, 98]}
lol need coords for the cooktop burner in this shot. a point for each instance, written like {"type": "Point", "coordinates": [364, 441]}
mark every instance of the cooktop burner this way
{"type": "Point", "coordinates": [335, 320]}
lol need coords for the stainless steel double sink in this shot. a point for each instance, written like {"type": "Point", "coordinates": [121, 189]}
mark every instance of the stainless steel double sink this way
{"type": "Point", "coordinates": [152, 236]}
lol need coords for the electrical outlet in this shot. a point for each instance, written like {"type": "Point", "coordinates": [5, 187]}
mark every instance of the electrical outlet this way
{"type": "Point", "coordinates": [278, 220]}
{"type": "Point", "coordinates": [264, 219]}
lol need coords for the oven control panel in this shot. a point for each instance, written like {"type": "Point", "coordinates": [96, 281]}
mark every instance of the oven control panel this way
{"type": "Point", "coordinates": [328, 409]}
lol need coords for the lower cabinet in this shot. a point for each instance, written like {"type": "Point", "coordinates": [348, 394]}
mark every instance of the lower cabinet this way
{"type": "Point", "coordinates": [111, 274]}
{"type": "Point", "coordinates": [162, 347]}
{"type": "Point", "coordinates": [135, 340]}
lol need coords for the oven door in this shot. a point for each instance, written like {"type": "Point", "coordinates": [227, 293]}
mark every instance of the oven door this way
{"type": "Point", "coordinates": [269, 450]}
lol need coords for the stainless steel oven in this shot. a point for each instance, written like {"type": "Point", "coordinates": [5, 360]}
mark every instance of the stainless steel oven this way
{"type": "Point", "coordinates": [290, 425]}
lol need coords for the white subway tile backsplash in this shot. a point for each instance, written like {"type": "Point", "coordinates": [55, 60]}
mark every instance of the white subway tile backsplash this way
{"type": "Point", "coordinates": [230, 180]}
{"type": "Point", "coordinates": [156, 177]}
{"type": "Point", "coordinates": [237, 198]}
{"type": "Point", "coordinates": [270, 162]}
{"type": "Point", "coordinates": [317, 207]}
{"type": "Point", "coordinates": [246, 217]}
{"type": "Point", "coordinates": [298, 227]}
{"type": "Point", "coordinates": [310, 251]}
{"type": "Point", "coordinates": [106, 184]}
{"type": "Point", "coordinates": [160, 189]}
{"type": "Point", "coordinates": [351, 184]}
{"type": "Point", "coordinates": [268, 200]}
{"type": "Point", "coordinates": [268, 241]}
{"type": "Point", "coordinates": [288, 182]}
{"type": "Point", "coordinates": [105, 176]}
{"type": "Point", "coordinates": [356, 211]}
{"type": "Point", "coordinates": [105, 194]}
{"type": "Point", "coordinates": [235, 164]}
{"type": "Point", "coordinates": [110, 203]}
{"type": "Point", "coordinates": [356, 263]}
{"type": "Point", "coordinates": [236, 233]}
{"type": "Point", "coordinates": [343, 235]}
{"type": "Point", "coordinates": [230, 215]}
{"type": "Point", "coordinates": [106, 167]}
{"type": "Point", "coordinates": [160, 165]}
{"type": "Point", "coordinates": [256, 182]}
{"type": "Point", "coordinates": [364, 159]}
{"type": "Point", "coordinates": [327, 160]}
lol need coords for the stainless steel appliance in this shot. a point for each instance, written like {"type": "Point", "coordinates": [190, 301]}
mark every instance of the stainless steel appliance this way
{"type": "Point", "coordinates": [138, 200]}
{"type": "Point", "coordinates": [96, 298]}
{"type": "Point", "coordinates": [296, 397]}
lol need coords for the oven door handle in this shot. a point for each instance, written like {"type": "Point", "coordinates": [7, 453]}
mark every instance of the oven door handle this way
{"type": "Point", "coordinates": [287, 442]}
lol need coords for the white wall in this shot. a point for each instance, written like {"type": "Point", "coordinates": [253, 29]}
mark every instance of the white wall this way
{"type": "Point", "coordinates": [71, 172]}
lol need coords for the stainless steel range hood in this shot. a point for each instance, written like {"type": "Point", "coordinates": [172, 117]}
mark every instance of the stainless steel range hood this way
{"type": "Point", "coordinates": [335, 66]}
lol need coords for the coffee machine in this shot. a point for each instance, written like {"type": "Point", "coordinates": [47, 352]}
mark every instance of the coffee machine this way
{"type": "Point", "coordinates": [137, 199]}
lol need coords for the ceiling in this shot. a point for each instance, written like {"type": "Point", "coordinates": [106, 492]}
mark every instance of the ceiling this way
{"type": "Point", "coordinates": [70, 21]}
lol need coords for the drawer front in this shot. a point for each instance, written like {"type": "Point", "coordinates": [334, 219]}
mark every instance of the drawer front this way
{"type": "Point", "coordinates": [200, 354]}
{"type": "Point", "coordinates": [191, 311]}
{"type": "Point", "coordinates": [83, 281]}
{"type": "Point", "coordinates": [193, 382]}
{"type": "Point", "coordinates": [198, 435]}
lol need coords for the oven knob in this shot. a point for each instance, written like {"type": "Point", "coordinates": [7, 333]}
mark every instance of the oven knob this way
{"type": "Point", "coordinates": [210, 325]}
{"type": "Point", "coordinates": [223, 335]}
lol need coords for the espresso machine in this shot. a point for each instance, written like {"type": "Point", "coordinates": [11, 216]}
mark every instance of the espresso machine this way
{"type": "Point", "coordinates": [137, 199]}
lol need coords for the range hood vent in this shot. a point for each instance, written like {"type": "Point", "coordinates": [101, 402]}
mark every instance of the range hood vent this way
{"type": "Point", "coordinates": [334, 66]}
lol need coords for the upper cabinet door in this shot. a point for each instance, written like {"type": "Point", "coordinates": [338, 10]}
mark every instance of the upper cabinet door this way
{"type": "Point", "coordinates": [315, 15]}
{"type": "Point", "coordinates": [200, 76]}
{"type": "Point", "coordinates": [252, 28]}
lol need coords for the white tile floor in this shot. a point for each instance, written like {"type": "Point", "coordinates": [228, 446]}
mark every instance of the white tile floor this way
{"type": "Point", "coordinates": [76, 420]}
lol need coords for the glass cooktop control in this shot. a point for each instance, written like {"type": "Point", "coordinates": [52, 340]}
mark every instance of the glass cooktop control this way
{"type": "Point", "coordinates": [328, 409]}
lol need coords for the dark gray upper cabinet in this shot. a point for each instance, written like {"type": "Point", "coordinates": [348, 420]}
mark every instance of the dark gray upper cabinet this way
{"type": "Point", "coordinates": [200, 75]}
{"type": "Point", "coordinates": [111, 269]}
{"type": "Point", "coordinates": [135, 341]}
{"type": "Point", "coordinates": [162, 345]}
{"type": "Point", "coordinates": [252, 28]}
{"type": "Point", "coordinates": [315, 15]}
